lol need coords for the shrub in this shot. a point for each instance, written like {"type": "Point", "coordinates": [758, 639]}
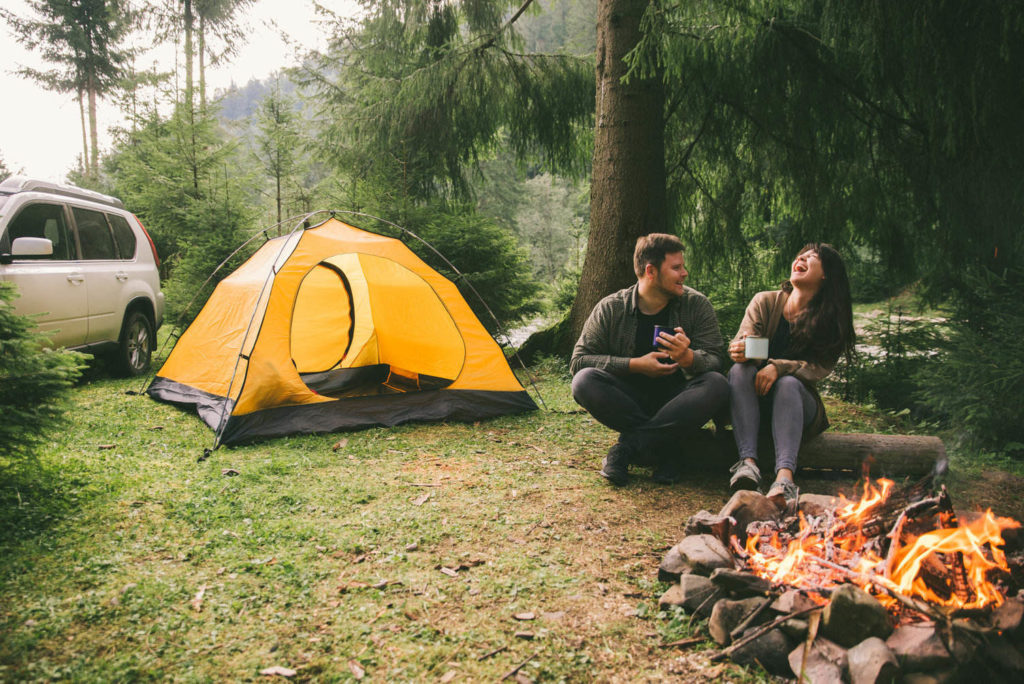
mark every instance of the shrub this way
{"type": "Point", "coordinates": [978, 379]}
{"type": "Point", "coordinates": [35, 381]}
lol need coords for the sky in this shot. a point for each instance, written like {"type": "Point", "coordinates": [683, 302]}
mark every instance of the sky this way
{"type": "Point", "coordinates": [41, 131]}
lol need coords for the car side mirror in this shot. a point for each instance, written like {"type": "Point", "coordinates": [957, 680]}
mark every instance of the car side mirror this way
{"type": "Point", "coordinates": [31, 247]}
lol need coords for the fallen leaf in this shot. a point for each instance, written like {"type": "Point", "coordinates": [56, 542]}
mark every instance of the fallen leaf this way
{"type": "Point", "coordinates": [524, 616]}
{"type": "Point", "coordinates": [522, 679]}
{"type": "Point", "coordinates": [157, 427]}
{"type": "Point", "coordinates": [449, 676]}
{"type": "Point", "coordinates": [357, 670]}
{"type": "Point", "coordinates": [340, 444]}
{"type": "Point", "coordinates": [524, 635]}
{"type": "Point", "coordinates": [420, 500]}
{"type": "Point", "coordinates": [277, 670]}
{"type": "Point", "coordinates": [230, 472]}
{"type": "Point", "coordinates": [450, 572]}
{"type": "Point", "coordinates": [354, 584]}
{"type": "Point", "coordinates": [104, 447]}
{"type": "Point", "coordinates": [412, 547]}
{"type": "Point", "coordinates": [197, 600]}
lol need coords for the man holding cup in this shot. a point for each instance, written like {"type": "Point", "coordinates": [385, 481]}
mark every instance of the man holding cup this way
{"type": "Point", "coordinates": [651, 385]}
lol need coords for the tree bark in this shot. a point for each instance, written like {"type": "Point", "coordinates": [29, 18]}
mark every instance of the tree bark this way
{"type": "Point", "coordinates": [94, 166]}
{"type": "Point", "coordinates": [85, 135]}
{"type": "Point", "coordinates": [627, 196]}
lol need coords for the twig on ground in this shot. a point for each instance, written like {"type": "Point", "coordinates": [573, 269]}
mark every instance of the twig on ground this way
{"type": "Point", "coordinates": [726, 652]}
{"type": "Point", "coordinates": [684, 643]}
{"type": "Point", "coordinates": [520, 666]}
{"type": "Point", "coordinates": [493, 653]}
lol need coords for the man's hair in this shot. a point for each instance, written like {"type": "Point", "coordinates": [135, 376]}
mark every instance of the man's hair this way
{"type": "Point", "coordinates": [651, 249]}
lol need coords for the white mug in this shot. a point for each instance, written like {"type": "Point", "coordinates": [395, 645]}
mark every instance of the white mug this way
{"type": "Point", "coordinates": [756, 348]}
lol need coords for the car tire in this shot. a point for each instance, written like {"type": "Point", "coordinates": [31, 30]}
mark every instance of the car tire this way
{"type": "Point", "coordinates": [135, 348]}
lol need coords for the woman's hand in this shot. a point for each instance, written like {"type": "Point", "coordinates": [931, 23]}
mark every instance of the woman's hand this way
{"type": "Point", "coordinates": [765, 378]}
{"type": "Point", "coordinates": [737, 351]}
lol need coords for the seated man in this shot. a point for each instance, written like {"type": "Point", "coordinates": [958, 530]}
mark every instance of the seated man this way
{"type": "Point", "coordinates": [653, 392]}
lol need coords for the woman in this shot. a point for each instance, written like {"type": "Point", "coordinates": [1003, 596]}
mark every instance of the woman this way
{"type": "Point", "coordinates": [809, 324]}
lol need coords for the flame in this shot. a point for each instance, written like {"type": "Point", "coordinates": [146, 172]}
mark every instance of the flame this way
{"type": "Point", "coordinates": [822, 559]}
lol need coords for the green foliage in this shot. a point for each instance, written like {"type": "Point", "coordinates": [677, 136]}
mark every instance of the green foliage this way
{"type": "Point", "coordinates": [35, 382]}
{"type": "Point", "coordinates": [488, 258]}
{"type": "Point", "coordinates": [978, 379]}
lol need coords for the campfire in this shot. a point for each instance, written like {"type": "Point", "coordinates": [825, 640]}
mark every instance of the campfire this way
{"type": "Point", "coordinates": [896, 572]}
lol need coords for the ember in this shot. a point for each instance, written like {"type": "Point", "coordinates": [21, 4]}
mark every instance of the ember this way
{"type": "Point", "coordinates": [925, 552]}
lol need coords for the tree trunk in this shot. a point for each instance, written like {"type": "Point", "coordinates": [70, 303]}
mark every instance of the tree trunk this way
{"type": "Point", "coordinates": [202, 64]}
{"type": "Point", "coordinates": [85, 134]}
{"type": "Point", "coordinates": [189, 56]}
{"type": "Point", "coordinates": [627, 195]}
{"type": "Point", "coordinates": [94, 166]}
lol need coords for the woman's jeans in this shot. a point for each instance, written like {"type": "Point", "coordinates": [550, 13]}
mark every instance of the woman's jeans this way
{"type": "Point", "coordinates": [648, 422]}
{"type": "Point", "coordinates": [789, 404]}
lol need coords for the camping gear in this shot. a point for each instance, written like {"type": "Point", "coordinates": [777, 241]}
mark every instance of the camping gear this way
{"type": "Point", "coordinates": [333, 328]}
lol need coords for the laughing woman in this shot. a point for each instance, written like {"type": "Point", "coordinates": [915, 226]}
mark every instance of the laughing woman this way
{"type": "Point", "coordinates": [809, 325]}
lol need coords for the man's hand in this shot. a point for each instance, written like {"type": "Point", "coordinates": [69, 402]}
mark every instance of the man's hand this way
{"type": "Point", "coordinates": [677, 346]}
{"type": "Point", "coordinates": [653, 365]}
{"type": "Point", "coordinates": [765, 378]}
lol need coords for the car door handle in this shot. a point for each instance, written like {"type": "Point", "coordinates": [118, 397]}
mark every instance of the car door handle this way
{"type": "Point", "coordinates": [121, 275]}
{"type": "Point", "coordinates": [76, 278]}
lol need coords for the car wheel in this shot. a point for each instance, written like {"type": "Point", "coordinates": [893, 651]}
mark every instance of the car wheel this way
{"type": "Point", "coordinates": [136, 346]}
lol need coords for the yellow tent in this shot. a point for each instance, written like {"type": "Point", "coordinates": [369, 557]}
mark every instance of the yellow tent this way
{"type": "Point", "coordinates": [334, 328]}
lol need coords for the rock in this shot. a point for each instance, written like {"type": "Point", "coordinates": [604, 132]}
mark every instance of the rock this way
{"type": "Point", "coordinates": [748, 506]}
{"type": "Point", "coordinates": [672, 566]}
{"type": "Point", "coordinates": [699, 595]}
{"type": "Point", "coordinates": [853, 615]}
{"type": "Point", "coordinates": [704, 553]}
{"type": "Point", "coordinates": [728, 614]}
{"type": "Point", "coordinates": [826, 662]}
{"type": "Point", "coordinates": [740, 584]}
{"type": "Point", "coordinates": [795, 629]}
{"type": "Point", "coordinates": [919, 648]}
{"type": "Point", "coordinates": [1007, 617]}
{"type": "Point", "coordinates": [706, 522]}
{"type": "Point", "coordinates": [942, 677]}
{"type": "Point", "coordinates": [792, 601]}
{"type": "Point", "coordinates": [768, 650]}
{"type": "Point", "coordinates": [672, 597]}
{"type": "Point", "coordinates": [816, 505]}
{"type": "Point", "coordinates": [1001, 653]}
{"type": "Point", "coordinates": [871, 662]}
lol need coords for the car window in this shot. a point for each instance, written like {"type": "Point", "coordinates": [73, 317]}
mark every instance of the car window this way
{"type": "Point", "coordinates": [41, 221]}
{"type": "Point", "coordinates": [94, 235]}
{"type": "Point", "coordinates": [123, 235]}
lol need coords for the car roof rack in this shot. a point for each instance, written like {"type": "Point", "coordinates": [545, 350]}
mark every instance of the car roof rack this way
{"type": "Point", "coordinates": [16, 184]}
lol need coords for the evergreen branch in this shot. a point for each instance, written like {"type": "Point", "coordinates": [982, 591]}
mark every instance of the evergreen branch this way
{"type": "Point", "coordinates": [490, 41]}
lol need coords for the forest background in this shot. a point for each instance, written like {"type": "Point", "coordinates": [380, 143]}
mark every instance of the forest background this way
{"type": "Point", "coordinates": [532, 142]}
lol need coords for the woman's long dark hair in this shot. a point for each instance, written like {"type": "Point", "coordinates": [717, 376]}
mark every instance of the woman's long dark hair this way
{"type": "Point", "coordinates": [824, 331]}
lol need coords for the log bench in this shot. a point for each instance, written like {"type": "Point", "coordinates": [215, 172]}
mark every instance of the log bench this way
{"type": "Point", "coordinates": [843, 453]}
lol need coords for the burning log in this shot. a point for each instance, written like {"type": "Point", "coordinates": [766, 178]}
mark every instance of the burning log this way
{"type": "Point", "coordinates": [949, 521]}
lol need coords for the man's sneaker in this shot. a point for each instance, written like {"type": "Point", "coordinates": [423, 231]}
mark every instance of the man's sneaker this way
{"type": "Point", "coordinates": [616, 465]}
{"type": "Point", "coordinates": [669, 470]}
{"type": "Point", "coordinates": [785, 495]}
{"type": "Point", "coordinates": [745, 475]}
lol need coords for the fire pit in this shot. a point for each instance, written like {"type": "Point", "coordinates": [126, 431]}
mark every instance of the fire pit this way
{"type": "Point", "coordinates": [893, 583]}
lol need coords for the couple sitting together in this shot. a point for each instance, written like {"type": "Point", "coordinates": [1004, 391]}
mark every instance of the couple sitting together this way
{"type": "Point", "coordinates": [656, 392]}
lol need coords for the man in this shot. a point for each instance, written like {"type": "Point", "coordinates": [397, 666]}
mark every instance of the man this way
{"type": "Point", "coordinates": [653, 395]}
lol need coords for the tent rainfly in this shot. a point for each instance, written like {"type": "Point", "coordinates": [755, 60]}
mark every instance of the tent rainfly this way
{"type": "Point", "coordinates": [333, 328]}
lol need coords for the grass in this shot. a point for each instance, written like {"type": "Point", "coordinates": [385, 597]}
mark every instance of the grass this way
{"type": "Point", "coordinates": [423, 552]}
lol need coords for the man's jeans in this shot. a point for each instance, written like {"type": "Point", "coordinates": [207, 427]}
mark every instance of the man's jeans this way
{"type": "Point", "coordinates": [650, 425]}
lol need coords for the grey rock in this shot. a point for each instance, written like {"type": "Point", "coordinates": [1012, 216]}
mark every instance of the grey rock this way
{"type": "Point", "coordinates": [795, 629]}
{"type": "Point", "coordinates": [740, 584]}
{"type": "Point", "coordinates": [706, 522]}
{"type": "Point", "coordinates": [853, 615]}
{"type": "Point", "coordinates": [919, 648]}
{"type": "Point", "coordinates": [1002, 654]}
{"type": "Point", "coordinates": [672, 597]}
{"type": "Point", "coordinates": [817, 504]}
{"type": "Point", "coordinates": [672, 566]}
{"type": "Point", "coordinates": [728, 614]}
{"type": "Point", "coordinates": [1007, 618]}
{"type": "Point", "coordinates": [792, 601]}
{"type": "Point", "coordinates": [747, 506]}
{"type": "Point", "coordinates": [699, 595]}
{"type": "Point", "coordinates": [768, 650]}
{"type": "Point", "coordinates": [826, 662]}
{"type": "Point", "coordinates": [704, 553]}
{"type": "Point", "coordinates": [871, 662]}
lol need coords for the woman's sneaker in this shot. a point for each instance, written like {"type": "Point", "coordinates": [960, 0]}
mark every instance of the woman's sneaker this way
{"type": "Point", "coordinates": [744, 476]}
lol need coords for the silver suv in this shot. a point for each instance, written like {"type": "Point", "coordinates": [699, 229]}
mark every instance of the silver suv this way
{"type": "Point", "coordinates": [85, 266]}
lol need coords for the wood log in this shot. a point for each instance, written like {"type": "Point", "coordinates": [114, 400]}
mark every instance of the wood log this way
{"type": "Point", "coordinates": [878, 455]}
